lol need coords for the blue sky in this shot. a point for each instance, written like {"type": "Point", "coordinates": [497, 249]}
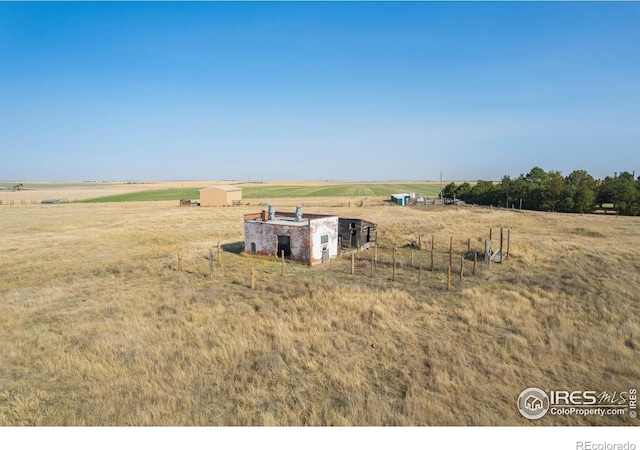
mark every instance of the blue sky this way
{"type": "Point", "coordinates": [317, 91]}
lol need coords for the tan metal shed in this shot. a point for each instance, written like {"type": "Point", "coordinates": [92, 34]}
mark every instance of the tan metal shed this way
{"type": "Point", "coordinates": [220, 195]}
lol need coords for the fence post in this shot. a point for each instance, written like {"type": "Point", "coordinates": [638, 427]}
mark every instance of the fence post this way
{"type": "Point", "coordinates": [508, 240]}
{"type": "Point", "coordinates": [486, 252]}
{"type": "Point", "coordinates": [432, 252]}
{"type": "Point", "coordinates": [461, 268]}
{"type": "Point", "coordinates": [501, 247]}
{"type": "Point", "coordinates": [210, 262]}
{"type": "Point", "coordinates": [393, 276]}
{"type": "Point", "coordinates": [353, 264]}
{"type": "Point", "coordinates": [375, 251]}
{"type": "Point", "coordinates": [468, 245]}
{"type": "Point", "coordinates": [451, 251]}
{"type": "Point", "coordinates": [179, 260]}
{"type": "Point", "coordinates": [419, 274]}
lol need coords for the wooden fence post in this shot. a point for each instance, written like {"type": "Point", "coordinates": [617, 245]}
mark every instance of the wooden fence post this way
{"type": "Point", "coordinates": [210, 262]}
{"type": "Point", "coordinates": [353, 264]}
{"type": "Point", "coordinates": [468, 245]}
{"type": "Point", "coordinates": [393, 276]}
{"type": "Point", "coordinates": [508, 240]}
{"type": "Point", "coordinates": [501, 247]}
{"type": "Point", "coordinates": [451, 251]}
{"type": "Point", "coordinates": [419, 274]}
{"type": "Point", "coordinates": [432, 252]}
{"type": "Point", "coordinates": [461, 268]}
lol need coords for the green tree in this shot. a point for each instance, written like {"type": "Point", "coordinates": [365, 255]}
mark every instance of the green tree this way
{"type": "Point", "coordinates": [536, 179]}
{"type": "Point", "coordinates": [513, 190]}
{"type": "Point", "coordinates": [552, 189]}
{"type": "Point", "coordinates": [606, 192]}
{"type": "Point", "coordinates": [627, 195]}
{"type": "Point", "coordinates": [449, 190]}
{"type": "Point", "coordinates": [584, 200]}
{"type": "Point", "coordinates": [580, 178]}
{"type": "Point", "coordinates": [622, 190]}
{"type": "Point", "coordinates": [463, 190]}
{"type": "Point", "coordinates": [483, 193]}
{"type": "Point", "coordinates": [567, 202]}
{"type": "Point", "coordinates": [582, 188]}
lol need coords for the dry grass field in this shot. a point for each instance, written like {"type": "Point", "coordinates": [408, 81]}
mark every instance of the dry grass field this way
{"type": "Point", "coordinates": [98, 327]}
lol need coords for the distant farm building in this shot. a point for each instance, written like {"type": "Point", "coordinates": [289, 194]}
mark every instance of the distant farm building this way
{"type": "Point", "coordinates": [356, 233]}
{"type": "Point", "coordinates": [305, 238]}
{"type": "Point", "coordinates": [220, 195]}
{"type": "Point", "coordinates": [400, 199]}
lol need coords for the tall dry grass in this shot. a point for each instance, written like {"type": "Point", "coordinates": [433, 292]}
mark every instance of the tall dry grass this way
{"type": "Point", "coordinates": [98, 327]}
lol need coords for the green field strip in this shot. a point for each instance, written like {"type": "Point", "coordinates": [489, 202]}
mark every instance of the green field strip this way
{"type": "Point", "coordinates": [277, 191]}
{"type": "Point", "coordinates": [147, 196]}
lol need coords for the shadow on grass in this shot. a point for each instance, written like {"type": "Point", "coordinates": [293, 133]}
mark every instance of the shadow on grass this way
{"type": "Point", "coordinates": [234, 247]}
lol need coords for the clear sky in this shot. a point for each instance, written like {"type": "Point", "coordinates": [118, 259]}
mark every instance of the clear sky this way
{"type": "Point", "coordinates": [317, 91]}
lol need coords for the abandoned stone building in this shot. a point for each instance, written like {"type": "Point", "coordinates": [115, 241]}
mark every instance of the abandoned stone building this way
{"type": "Point", "coordinates": [305, 238]}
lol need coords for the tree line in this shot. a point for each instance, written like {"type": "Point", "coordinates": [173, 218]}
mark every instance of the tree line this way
{"type": "Point", "coordinates": [541, 190]}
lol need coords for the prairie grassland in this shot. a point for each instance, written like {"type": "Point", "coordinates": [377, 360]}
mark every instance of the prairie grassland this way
{"type": "Point", "coordinates": [98, 327]}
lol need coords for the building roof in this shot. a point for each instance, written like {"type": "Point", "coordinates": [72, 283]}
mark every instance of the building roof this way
{"type": "Point", "coordinates": [223, 187]}
{"type": "Point", "coordinates": [286, 218]}
{"type": "Point", "coordinates": [400, 195]}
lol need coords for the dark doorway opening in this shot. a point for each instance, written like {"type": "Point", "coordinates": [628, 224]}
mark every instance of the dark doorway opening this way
{"type": "Point", "coordinates": [284, 245]}
{"type": "Point", "coordinates": [354, 234]}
